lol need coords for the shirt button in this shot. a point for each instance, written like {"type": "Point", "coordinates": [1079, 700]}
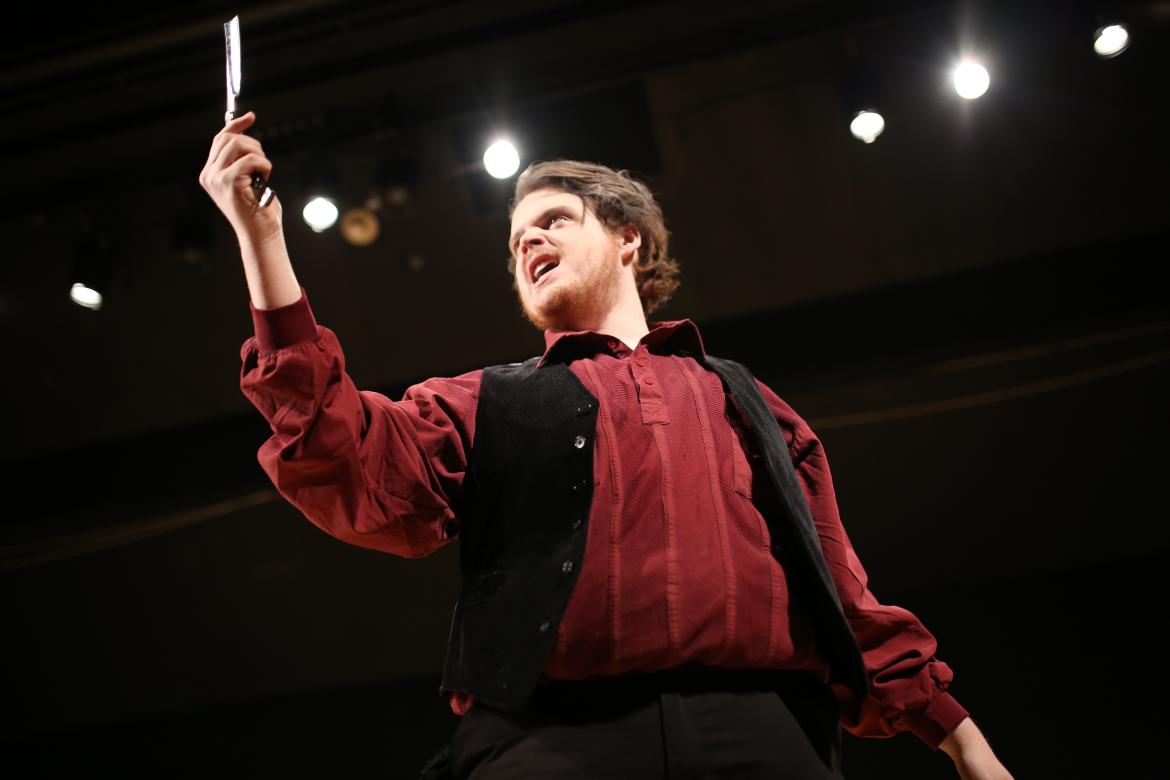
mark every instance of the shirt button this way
{"type": "Point", "coordinates": [647, 380]}
{"type": "Point", "coordinates": [612, 344]}
{"type": "Point", "coordinates": [583, 409]}
{"type": "Point", "coordinates": [576, 524]}
{"type": "Point", "coordinates": [579, 442]}
{"type": "Point", "coordinates": [567, 567]}
{"type": "Point", "coordinates": [544, 627]}
{"type": "Point", "coordinates": [578, 487]}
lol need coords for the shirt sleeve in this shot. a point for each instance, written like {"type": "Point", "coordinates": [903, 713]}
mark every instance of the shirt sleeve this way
{"type": "Point", "coordinates": [365, 469]}
{"type": "Point", "coordinates": [908, 684]}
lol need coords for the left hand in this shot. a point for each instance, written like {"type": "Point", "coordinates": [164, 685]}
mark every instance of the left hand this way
{"type": "Point", "coordinates": [973, 757]}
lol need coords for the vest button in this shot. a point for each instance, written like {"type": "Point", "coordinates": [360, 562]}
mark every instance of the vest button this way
{"type": "Point", "coordinates": [567, 567]}
{"type": "Point", "coordinates": [647, 380]}
{"type": "Point", "coordinates": [544, 627]}
{"type": "Point", "coordinates": [579, 442]}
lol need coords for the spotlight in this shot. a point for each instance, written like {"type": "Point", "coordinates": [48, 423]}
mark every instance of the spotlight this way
{"type": "Point", "coordinates": [360, 226]}
{"type": "Point", "coordinates": [867, 126]}
{"type": "Point", "coordinates": [864, 85]}
{"type": "Point", "coordinates": [320, 213]}
{"type": "Point", "coordinates": [93, 262]}
{"type": "Point", "coordinates": [1111, 40]}
{"type": "Point", "coordinates": [85, 296]}
{"type": "Point", "coordinates": [971, 79]}
{"type": "Point", "coordinates": [396, 183]}
{"type": "Point", "coordinates": [501, 159]}
{"type": "Point", "coordinates": [319, 179]}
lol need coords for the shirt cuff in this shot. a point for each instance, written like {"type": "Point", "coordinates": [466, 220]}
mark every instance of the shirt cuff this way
{"type": "Point", "coordinates": [936, 720]}
{"type": "Point", "coordinates": [284, 326]}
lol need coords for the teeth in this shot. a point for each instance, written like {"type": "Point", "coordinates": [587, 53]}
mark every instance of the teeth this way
{"type": "Point", "coordinates": [541, 267]}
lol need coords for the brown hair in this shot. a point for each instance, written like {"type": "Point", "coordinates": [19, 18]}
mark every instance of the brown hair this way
{"type": "Point", "coordinates": [617, 200]}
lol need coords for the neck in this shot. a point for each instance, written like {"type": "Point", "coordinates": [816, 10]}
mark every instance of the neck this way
{"type": "Point", "coordinates": [623, 320]}
{"type": "Point", "coordinates": [625, 323]}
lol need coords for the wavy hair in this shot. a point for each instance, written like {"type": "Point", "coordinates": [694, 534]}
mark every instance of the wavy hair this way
{"type": "Point", "coordinates": [617, 200]}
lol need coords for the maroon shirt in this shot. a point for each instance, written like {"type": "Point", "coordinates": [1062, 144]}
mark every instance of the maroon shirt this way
{"type": "Point", "coordinates": [677, 564]}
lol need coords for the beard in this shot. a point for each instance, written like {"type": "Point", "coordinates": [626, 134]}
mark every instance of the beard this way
{"type": "Point", "coordinates": [576, 303]}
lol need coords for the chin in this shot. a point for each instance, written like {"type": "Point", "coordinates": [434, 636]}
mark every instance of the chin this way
{"type": "Point", "coordinates": [556, 312]}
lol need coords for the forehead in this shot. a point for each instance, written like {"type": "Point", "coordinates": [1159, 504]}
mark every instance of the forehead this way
{"type": "Point", "coordinates": [537, 202]}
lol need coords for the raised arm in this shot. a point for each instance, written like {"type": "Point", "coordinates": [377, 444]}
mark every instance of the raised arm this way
{"type": "Point", "coordinates": [227, 179]}
{"type": "Point", "coordinates": [365, 469]}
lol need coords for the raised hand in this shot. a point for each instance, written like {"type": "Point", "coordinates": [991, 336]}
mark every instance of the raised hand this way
{"type": "Point", "coordinates": [227, 178]}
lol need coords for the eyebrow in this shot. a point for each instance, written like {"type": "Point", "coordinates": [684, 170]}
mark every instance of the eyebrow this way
{"type": "Point", "coordinates": [541, 218]}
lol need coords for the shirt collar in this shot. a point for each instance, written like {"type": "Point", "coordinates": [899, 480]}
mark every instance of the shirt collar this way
{"type": "Point", "coordinates": [665, 336]}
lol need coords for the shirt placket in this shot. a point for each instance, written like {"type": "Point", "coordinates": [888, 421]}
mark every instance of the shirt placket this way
{"type": "Point", "coordinates": [650, 399]}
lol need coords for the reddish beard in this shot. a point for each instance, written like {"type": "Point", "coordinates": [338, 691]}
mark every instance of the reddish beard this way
{"type": "Point", "coordinates": [569, 303]}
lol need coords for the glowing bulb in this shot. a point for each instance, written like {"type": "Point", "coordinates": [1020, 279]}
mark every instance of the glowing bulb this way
{"type": "Point", "coordinates": [86, 296]}
{"type": "Point", "coordinates": [867, 125]}
{"type": "Point", "coordinates": [501, 159]}
{"type": "Point", "coordinates": [320, 214]}
{"type": "Point", "coordinates": [971, 79]}
{"type": "Point", "coordinates": [1111, 41]}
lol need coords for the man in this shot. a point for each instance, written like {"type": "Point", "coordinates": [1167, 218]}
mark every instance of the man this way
{"type": "Point", "coordinates": [656, 580]}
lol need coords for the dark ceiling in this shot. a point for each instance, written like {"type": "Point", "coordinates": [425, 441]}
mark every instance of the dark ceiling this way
{"type": "Point", "coordinates": [970, 309]}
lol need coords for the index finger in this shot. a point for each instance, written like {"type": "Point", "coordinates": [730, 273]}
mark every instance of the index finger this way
{"type": "Point", "coordinates": [233, 127]}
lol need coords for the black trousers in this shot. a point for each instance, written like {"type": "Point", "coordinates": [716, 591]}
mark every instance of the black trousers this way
{"type": "Point", "coordinates": [686, 723]}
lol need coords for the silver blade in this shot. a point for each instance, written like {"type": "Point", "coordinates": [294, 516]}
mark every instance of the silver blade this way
{"type": "Point", "coordinates": [231, 38]}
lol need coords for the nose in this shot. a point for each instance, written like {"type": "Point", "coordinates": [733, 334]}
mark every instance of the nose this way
{"type": "Point", "coordinates": [532, 237]}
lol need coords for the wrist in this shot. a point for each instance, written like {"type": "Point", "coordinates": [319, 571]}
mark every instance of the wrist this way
{"type": "Point", "coordinates": [965, 737]}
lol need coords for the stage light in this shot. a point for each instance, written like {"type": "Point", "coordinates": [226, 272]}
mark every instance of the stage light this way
{"type": "Point", "coordinates": [971, 79]}
{"type": "Point", "coordinates": [93, 260]}
{"type": "Point", "coordinates": [360, 226]}
{"type": "Point", "coordinates": [501, 159]}
{"type": "Point", "coordinates": [85, 296]}
{"type": "Point", "coordinates": [320, 214]}
{"type": "Point", "coordinates": [1111, 40]}
{"type": "Point", "coordinates": [867, 126]}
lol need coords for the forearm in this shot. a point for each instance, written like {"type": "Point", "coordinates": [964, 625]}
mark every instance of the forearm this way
{"type": "Point", "coordinates": [269, 272]}
{"type": "Point", "coordinates": [972, 755]}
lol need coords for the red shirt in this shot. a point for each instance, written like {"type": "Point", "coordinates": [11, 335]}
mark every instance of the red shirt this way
{"type": "Point", "coordinates": [677, 564]}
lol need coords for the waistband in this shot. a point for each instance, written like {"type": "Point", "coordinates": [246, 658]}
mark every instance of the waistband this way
{"type": "Point", "coordinates": [632, 689]}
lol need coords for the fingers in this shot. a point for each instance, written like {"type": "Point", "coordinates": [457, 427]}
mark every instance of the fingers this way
{"type": "Point", "coordinates": [246, 166]}
{"type": "Point", "coordinates": [234, 147]}
{"type": "Point", "coordinates": [233, 129]}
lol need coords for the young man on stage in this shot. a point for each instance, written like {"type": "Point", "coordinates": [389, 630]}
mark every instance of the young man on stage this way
{"type": "Point", "coordinates": [656, 581]}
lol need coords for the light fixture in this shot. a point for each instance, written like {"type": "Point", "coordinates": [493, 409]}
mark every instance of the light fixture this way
{"type": "Point", "coordinates": [1110, 40]}
{"type": "Point", "coordinates": [319, 180]}
{"type": "Point", "coordinates": [396, 183]}
{"type": "Point", "coordinates": [971, 79]}
{"type": "Point", "coordinates": [86, 297]}
{"type": "Point", "coordinates": [864, 80]}
{"type": "Point", "coordinates": [867, 126]}
{"type": "Point", "coordinates": [320, 213]}
{"type": "Point", "coordinates": [360, 226]}
{"type": "Point", "coordinates": [501, 159]}
{"type": "Point", "coordinates": [93, 263]}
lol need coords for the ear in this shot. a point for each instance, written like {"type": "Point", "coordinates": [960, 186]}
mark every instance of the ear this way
{"type": "Point", "coordinates": [631, 239]}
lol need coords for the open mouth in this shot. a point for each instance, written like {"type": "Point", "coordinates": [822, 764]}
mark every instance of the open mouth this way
{"type": "Point", "coordinates": [543, 269]}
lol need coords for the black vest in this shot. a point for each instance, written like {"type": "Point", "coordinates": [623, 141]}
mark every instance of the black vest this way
{"type": "Point", "coordinates": [523, 513]}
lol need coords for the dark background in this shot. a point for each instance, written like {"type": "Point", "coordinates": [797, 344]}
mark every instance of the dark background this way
{"type": "Point", "coordinates": [969, 311]}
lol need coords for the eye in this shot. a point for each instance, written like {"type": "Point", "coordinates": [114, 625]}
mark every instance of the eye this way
{"type": "Point", "coordinates": [555, 217]}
